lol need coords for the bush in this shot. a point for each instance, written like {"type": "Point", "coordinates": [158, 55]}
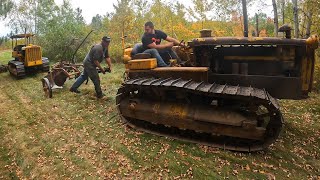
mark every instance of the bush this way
{"type": "Point", "coordinates": [5, 43]}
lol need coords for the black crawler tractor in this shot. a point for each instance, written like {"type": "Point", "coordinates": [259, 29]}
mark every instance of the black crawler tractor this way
{"type": "Point", "coordinates": [3, 68]}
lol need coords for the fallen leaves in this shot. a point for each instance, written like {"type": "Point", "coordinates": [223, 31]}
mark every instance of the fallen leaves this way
{"type": "Point", "coordinates": [188, 174]}
{"type": "Point", "coordinates": [163, 150]}
{"type": "Point", "coordinates": [73, 138]}
{"type": "Point", "coordinates": [181, 152]}
{"type": "Point", "coordinates": [247, 167]}
{"type": "Point", "coordinates": [209, 149]}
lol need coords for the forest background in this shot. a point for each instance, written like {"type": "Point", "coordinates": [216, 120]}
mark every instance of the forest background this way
{"type": "Point", "coordinates": [57, 25]}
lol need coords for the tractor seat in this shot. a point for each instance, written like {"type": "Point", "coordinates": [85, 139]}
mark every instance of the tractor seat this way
{"type": "Point", "coordinates": [142, 56]}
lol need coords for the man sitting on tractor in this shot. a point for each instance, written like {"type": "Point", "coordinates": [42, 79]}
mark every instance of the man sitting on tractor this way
{"type": "Point", "coordinates": [151, 40]}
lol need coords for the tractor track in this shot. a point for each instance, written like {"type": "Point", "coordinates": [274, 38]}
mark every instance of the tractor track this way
{"type": "Point", "coordinates": [248, 95]}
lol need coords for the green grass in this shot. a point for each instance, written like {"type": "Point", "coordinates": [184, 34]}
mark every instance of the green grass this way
{"type": "Point", "coordinates": [5, 56]}
{"type": "Point", "coordinates": [78, 137]}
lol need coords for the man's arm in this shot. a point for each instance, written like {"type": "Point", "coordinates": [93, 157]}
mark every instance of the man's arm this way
{"type": "Point", "coordinates": [175, 41]}
{"type": "Point", "coordinates": [99, 66]}
{"type": "Point", "coordinates": [108, 61]}
{"type": "Point", "coordinates": [160, 46]}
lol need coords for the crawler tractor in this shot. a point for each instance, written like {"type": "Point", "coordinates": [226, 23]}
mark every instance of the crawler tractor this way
{"type": "Point", "coordinates": [27, 57]}
{"type": "Point", "coordinates": [3, 68]}
{"type": "Point", "coordinates": [228, 95]}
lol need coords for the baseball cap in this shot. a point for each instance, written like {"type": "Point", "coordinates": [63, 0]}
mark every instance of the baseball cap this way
{"type": "Point", "coordinates": [106, 38]}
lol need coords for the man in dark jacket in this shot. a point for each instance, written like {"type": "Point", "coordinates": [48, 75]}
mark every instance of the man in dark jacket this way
{"type": "Point", "coordinates": [92, 60]}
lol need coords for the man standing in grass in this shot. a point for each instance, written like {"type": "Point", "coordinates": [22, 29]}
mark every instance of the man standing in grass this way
{"type": "Point", "coordinates": [91, 62]}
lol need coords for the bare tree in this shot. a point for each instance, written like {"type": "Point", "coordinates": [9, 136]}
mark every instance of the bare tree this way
{"type": "Point", "coordinates": [257, 25]}
{"type": "Point", "coordinates": [296, 22]}
{"type": "Point", "coordinates": [5, 7]}
{"type": "Point", "coordinates": [308, 11]}
{"type": "Point", "coordinates": [245, 18]}
{"type": "Point", "coordinates": [283, 5]}
{"type": "Point", "coordinates": [275, 12]}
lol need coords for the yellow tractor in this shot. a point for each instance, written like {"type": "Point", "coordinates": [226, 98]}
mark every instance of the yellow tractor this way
{"type": "Point", "coordinates": [225, 96]}
{"type": "Point", "coordinates": [27, 57]}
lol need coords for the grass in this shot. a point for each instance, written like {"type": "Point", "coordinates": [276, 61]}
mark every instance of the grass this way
{"type": "Point", "coordinates": [78, 137]}
{"type": "Point", "coordinates": [5, 56]}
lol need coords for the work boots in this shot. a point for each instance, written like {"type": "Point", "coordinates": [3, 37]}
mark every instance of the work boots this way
{"type": "Point", "coordinates": [74, 90]}
{"type": "Point", "coordinates": [100, 95]}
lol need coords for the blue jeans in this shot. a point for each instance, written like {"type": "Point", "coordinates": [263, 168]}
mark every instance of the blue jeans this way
{"type": "Point", "coordinates": [137, 48]}
{"type": "Point", "coordinates": [91, 72]}
{"type": "Point", "coordinates": [167, 54]}
{"type": "Point", "coordinates": [162, 55]}
{"type": "Point", "coordinates": [155, 54]}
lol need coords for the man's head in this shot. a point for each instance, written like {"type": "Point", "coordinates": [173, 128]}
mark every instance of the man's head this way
{"type": "Point", "coordinates": [105, 41]}
{"type": "Point", "coordinates": [149, 27]}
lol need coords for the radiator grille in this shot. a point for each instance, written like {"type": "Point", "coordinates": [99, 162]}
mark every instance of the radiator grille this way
{"type": "Point", "coordinates": [33, 54]}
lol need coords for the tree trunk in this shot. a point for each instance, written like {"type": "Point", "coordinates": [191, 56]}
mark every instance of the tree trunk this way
{"type": "Point", "coordinates": [35, 18]}
{"type": "Point", "coordinates": [275, 12]}
{"type": "Point", "coordinates": [257, 26]}
{"type": "Point", "coordinates": [283, 4]}
{"type": "Point", "coordinates": [296, 22]}
{"type": "Point", "coordinates": [245, 18]}
{"type": "Point", "coordinates": [309, 23]}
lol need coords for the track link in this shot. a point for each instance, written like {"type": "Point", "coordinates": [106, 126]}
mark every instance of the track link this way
{"type": "Point", "coordinates": [16, 68]}
{"type": "Point", "coordinates": [137, 88]}
{"type": "Point", "coordinates": [3, 68]}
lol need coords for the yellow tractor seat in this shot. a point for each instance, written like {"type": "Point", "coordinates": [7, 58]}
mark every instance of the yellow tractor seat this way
{"type": "Point", "coordinates": [140, 64]}
{"type": "Point", "coordinates": [142, 56]}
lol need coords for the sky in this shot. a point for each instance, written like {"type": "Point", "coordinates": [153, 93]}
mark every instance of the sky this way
{"type": "Point", "coordinates": [91, 8]}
